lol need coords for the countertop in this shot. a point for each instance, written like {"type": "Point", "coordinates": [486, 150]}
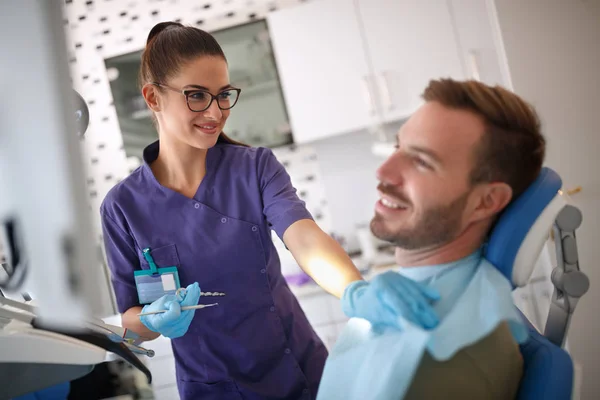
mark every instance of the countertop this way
{"type": "Point", "coordinates": [383, 262]}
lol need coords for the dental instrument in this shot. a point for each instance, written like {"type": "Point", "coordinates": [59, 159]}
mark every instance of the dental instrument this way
{"type": "Point", "coordinates": [182, 291]}
{"type": "Point", "coordinates": [182, 309]}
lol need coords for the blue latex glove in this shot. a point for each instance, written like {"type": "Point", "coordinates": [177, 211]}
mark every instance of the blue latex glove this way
{"type": "Point", "coordinates": [174, 323]}
{"type": "Point", "coordinates": [389, 296]}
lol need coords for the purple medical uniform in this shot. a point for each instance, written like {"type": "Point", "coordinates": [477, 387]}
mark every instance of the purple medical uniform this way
{"type": "Point", "coordinates": [257, 343]}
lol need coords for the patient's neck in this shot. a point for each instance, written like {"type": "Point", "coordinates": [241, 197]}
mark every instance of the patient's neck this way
{"type": "Point", "coordinates": [460, 247]}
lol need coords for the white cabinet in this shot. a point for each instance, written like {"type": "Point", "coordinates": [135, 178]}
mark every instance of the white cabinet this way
{"type": "Point", "coordinates": [409, 42]}
{"type": "Point", "coordinates": [322, 68]}
{"type": "Point", "coordinates": [345, 65]}
{"type": "Point", "coordinates": [480, 41]}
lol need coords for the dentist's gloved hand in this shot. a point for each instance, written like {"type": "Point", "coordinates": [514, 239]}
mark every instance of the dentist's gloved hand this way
{"type": "Point", "coordinates": [389, 296]}
{"type": "Point", "coordinates": [174, 323]}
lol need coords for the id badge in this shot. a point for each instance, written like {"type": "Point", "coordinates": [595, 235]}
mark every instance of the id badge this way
{"type": "Point", "coordinates": [156, 282]}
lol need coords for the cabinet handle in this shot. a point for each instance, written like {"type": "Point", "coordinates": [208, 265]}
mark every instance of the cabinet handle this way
{"type": "Point", "coordinates": [474, 65]}
{"type": "Point", "coordinates": [386, 91]}
{"type": "Point", "coordinates": [370, 104]}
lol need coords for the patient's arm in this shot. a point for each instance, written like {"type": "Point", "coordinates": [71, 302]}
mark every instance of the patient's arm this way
{"type": "Point", "coordinates": [489, 369]}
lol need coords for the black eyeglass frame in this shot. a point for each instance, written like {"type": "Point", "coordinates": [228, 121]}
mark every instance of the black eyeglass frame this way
{"type": "Point", "coordinates": [186, 92]}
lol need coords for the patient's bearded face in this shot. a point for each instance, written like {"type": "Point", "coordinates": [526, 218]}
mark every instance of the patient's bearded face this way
{"type": "Point", "coordinates": [431, 226]}
{"type": "Point", "coordinates": [425, 185]}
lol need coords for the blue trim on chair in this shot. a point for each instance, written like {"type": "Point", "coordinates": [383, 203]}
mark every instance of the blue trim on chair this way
{"type": "Point", "coordinates": [515, 222]}
{"type": "Point", "coordinates": [56, 392]}
{"type": "Point", "coordinates": [548, 371]}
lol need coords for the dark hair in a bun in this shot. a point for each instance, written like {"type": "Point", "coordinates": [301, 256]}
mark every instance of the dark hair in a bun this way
{"type": "Point", "coordinates": [158, 28]}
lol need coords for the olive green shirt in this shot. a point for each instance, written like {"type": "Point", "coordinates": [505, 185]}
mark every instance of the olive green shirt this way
{"type": "Point", "coordinates": [489, 369]}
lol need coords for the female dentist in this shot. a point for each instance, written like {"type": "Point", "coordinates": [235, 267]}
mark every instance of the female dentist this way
{"type": "Point", "coordinates": [204, 204]}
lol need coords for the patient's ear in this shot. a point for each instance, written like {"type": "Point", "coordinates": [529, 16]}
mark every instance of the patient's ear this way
{"type": "Point", "coordinates": [492, 198]}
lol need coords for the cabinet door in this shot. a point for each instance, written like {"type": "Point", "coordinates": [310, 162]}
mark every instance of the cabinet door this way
{"type": "Point", "coordinates": [323, 69]}
{"type": "Point", "coordinates": [480, 39]}
{"type": "Point", "coordinates": [409, 43]}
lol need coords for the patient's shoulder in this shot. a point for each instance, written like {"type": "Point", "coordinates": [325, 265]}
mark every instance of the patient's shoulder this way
{"type": "Point", "coordinates": [500, 344]}
{"type": "Point", "coordinates": [491, 368]}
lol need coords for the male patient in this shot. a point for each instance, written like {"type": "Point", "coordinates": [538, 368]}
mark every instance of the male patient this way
{"type": "Point", "coordinates": [460, 160]}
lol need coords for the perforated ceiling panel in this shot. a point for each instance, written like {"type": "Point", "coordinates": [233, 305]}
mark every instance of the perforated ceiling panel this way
{"type": "Point", "coordinates": [101, 29]}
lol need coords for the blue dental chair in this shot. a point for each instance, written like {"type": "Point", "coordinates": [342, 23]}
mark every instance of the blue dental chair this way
{"type": "Point", "coordinates": [513, 247]}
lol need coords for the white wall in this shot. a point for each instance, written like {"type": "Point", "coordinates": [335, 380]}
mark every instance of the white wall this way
{"type": "Point", "coordinates": [553, 51]}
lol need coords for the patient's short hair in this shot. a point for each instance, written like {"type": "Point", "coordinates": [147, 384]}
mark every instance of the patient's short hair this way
{"type": "Point", "coordinates": [512, 148]}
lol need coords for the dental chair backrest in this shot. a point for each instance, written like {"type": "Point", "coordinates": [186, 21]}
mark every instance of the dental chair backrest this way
{"type": "Point", "coordinates": [514, 247]}
{"type": "Point", "coordinates": [522, 230]}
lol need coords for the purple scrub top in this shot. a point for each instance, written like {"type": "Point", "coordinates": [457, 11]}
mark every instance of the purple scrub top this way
{"type": "Point", "coordinates": [257, 343]}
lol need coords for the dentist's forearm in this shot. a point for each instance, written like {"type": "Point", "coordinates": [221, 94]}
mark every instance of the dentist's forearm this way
{"type": "Point", "coordinates": [131, 321]}
{"type": "Point", "coordinates": [321, 257]}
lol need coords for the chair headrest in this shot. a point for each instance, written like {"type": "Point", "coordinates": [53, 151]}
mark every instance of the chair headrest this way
{"type": "Point", "coordinates": [522, 229]}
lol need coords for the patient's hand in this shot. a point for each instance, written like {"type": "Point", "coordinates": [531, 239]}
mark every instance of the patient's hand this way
{"type": "Point", "coordinates": [389, 296]}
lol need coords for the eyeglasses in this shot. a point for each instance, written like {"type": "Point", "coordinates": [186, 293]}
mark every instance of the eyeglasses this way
{"type": "Point", "coordinates": [199, 100]}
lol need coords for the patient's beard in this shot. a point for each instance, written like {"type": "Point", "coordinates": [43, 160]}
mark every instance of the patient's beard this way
{"type": "Point", "coordinates": [436, 226]}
